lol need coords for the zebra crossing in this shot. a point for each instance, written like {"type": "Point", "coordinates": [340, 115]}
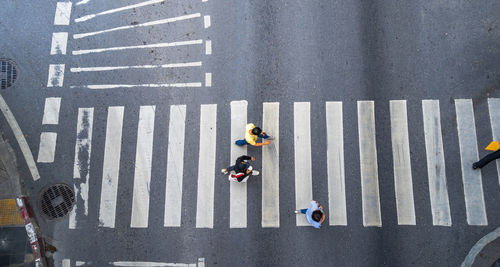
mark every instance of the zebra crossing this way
{"type": "Point", "coordinates": [112, 149]}
{"type": "Point", "coordinates": [337, 205]}
{"type": "Point", "coordinates": [402, 164]}
{"type": "Point", "coordinates": [206, 167]}
{"type": "Point", "coordinates": [302, 149]}
{"type": "Point", "coordinates": [440, 204]}
{"type": "Point", "coordinates": [175, 166]}
{"type": "Point", "coordinates": [494, 108]}
{"type": "Point", "coordinates": [335, 157]}
{"type": "Point", "coordinates": [368, 164]}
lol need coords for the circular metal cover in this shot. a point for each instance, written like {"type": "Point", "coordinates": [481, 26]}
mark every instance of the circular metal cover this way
{"type": "Point", "coordinates": [8, 73]}
{"type": "Point", "coordinates": [56, 201]}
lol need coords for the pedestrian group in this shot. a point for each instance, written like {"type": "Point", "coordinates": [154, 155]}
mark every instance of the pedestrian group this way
{"type": "Point", "coordinates": [315, 215]}
{"type": "Point", "coordinates": [242, 170]}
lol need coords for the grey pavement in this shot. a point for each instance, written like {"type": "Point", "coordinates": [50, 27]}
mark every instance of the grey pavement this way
{"type": "Point", "coordinates": [10, 180]}
{"type": "Point", "coordinates": [15, 250]}
{"type": "Point", "coordinates": [263, 51]}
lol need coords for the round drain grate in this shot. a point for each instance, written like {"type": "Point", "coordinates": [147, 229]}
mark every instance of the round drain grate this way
{"type": "Point", "coordinates": [56, 201]}
{"type": "Point", "coordinates": [8, 73]}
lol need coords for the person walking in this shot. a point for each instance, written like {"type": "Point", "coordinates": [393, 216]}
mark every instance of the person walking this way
{"type": "Point", "coordinates": [241, 171]}
{"type": "Point", "coordinates": [486, 159]}
{"type": "Point", "coordinates": [314, 214]}
{"type": "Point", "coordinates": [251, 135]}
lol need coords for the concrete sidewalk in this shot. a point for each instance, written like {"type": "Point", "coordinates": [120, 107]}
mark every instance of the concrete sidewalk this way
{"type": "Point", "coordinates": [15, 249]}
{"type": "Point", "coordinates": [10, 182]}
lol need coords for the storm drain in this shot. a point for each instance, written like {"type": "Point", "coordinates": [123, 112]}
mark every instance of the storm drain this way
{"type": "Point", "coordinates": [8, 73]}
{"type": "Point", "coordinates": [56, 201]}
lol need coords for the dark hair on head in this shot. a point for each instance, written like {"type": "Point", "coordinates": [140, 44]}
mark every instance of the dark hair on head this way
{"type": "Point", "coordinates": [316, 215]}
{"type": "Point", "coordinates": [256, 131]}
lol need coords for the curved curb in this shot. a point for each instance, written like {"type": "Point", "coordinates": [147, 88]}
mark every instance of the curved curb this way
{"type": "Point", "coordinates": [470, 260]}
{"type": "Point", "coordinates": [25, 149]}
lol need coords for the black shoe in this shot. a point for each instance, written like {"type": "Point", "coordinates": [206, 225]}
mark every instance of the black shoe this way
{"type": "Point", "coordinates": [474, 165]}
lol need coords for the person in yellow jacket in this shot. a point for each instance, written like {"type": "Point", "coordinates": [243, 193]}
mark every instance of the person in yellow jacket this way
{"type": "Point", "coordinates": [251, 135]}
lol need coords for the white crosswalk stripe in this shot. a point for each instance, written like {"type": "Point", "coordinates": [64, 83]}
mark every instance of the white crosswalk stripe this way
{"type": "Point", "coordinates": [63, 13]}
{"type": "Point", "coordinates": [143, 161]}
{"type": "Point", "coordinates": [238, 191]}
{"type": "Point", "coordinates": [403, 183]}
{"type": "Point", "coordinates": [81, 167]}
{"type": "Point", "coordinates": [336, 173]}
{"type": "Point", "coordinates": [494, 108]}
{"type": "Point", "coordinates": [368, 164]}
{"type": "Point", "coordinates": [238, 210]}
{"type": "Point", "coordinates": [111, 167]}
{"type": "Point", "coordinates": [51, 110]}
{"type": "Point", "coordinates": [47, 147]}
{"type": "Point", "coordinates": [438, 189]}
{"type": "Point", "coordinates": [206, 167]}
{"type": "Point", "coordinates": [473, 185]}
{"type": "Point", "coordinates": [302, 148]}
{"type": "Point", "coordinates": [175, 166]}
{"type": "Point", "coordinates": [270, 167]}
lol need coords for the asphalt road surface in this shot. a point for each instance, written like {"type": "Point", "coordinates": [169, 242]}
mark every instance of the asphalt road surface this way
{"type": "Point", "coordinates": [378, 109]}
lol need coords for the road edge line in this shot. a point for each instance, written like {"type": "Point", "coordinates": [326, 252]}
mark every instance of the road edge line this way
{"type": "Point", "coordinates": [28, 155]}
{"type": "Point", "coordinates": [479, 246]}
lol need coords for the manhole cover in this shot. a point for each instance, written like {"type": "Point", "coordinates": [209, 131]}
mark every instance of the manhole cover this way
{"type": "Point", "coordinates": [8, 73]}
{"type": "Point", "coordinates": [56, 201]}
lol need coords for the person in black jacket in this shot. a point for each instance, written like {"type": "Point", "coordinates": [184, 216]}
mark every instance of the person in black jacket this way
{"type": "Point", "coordinates": [486, 159]}
{"type": "Point", "coordinates": [241, 169]}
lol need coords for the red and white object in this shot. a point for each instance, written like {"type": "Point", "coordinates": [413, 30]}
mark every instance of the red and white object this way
{"type": "Point", "coordinates": [32, 230]}
{"type": "Point", "coordinates": [233, 177]}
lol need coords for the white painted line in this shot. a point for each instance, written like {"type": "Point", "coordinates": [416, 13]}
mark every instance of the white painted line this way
{"type": "Point", "coordinates": [66, 263]}
{"type": "Point", "coordinates": [238, 191]}
{"type": "Point", "coordinates": [63, 13]}
{"type": "Point", "coordinates": [80, 263]}
{"type": "Point", "coordinates": [111, 11]}
{"type": "Point", "coordinates": [472, 181]}
{"type": "Point", "coordinates": [109, 68]}
{"type": "Point", "coordinates": [438, 189]}
{"type": "Point", "coordinates": [208, 79]}
{"type": "Point", "coordinates": [175, 166]}
{"type": "Point", "coordinates": [208, 47]}
{"type": "Point", "coordinates": [82, 2]}
{"type": "Point", "coordinates": [403, 183]}
{"type": "Point", "coordinates": [150, 23]}
{"type": "Point", "coordinates": [335, 161]}
{"type": "Point", "coordinates": [149, 264]}
{"type": "Point", "coordinates": [368, 164]}
{"type": "Point", "coordinates": [120, 48]}
{"type": "Point", "coordinates": [151, 85]}
{"type": "Point", "coordinates": [271, 166]}
{"type": "Point", "coordinates": [476, 250]}
{"type": "Point", "coordinates": [59, 43]}
{"type": "Point", "coordinates": [51, 110]}
{"type": "Point", "coordinates": [47, 149]}
{"type": "Point", "coordinates": [201, 261]}
{"type": "Point", "coordinates": [56, 75]}
{"type": "Point", "coordinates": [81, 168]}
{"type": "Point", "coordinates": [204, 0]}
{"type": "Point", "coordinates": [302, 145]}
{"type": "Point", "coordinates": [143, 161]}
{"type": "Point", "coordinates": [206, 21]}
{"type": "Point", "coordinates": [494, 108]}
{"type": "Point", "coordinates": [206, 167]}
{"type": "Point", "coordinates": [111, 167]}
{"type": "Point", "coordinates": [25, 149]}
